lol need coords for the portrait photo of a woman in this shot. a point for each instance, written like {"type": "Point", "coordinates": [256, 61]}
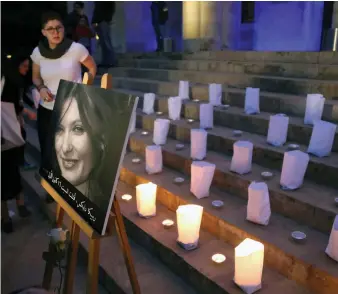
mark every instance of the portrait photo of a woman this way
{"type": "Point", "coordinates": [87, 137]}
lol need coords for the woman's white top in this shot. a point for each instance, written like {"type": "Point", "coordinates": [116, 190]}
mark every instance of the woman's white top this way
{"type": "Point", "coordinates": [67, 67]}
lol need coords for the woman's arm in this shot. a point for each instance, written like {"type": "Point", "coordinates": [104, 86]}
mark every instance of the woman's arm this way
{"type": "Point", "coordinates": [90, 64]}
{"type": "Point", "coordinates": [37, 80]}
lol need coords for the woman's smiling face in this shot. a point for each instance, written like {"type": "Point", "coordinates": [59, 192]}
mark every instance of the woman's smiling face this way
{"type": "Point", "coordinates": [73, 146]}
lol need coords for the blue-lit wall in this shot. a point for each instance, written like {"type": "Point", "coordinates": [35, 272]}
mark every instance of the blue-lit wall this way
{"type": "Point", "coordinates": [288, 26]}
{"type": "Point", "coordinates": [140, 36]}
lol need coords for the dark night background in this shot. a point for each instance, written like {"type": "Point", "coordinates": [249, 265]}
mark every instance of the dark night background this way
{"type": "Point", "coordinates": [20, 23]}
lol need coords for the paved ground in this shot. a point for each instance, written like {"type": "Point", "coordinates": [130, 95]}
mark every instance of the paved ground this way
{"type": "Point", "coordinates": [21, 254]}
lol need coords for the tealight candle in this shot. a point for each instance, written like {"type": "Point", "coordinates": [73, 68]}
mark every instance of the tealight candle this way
{"type": "Point", "coordinates": [159, 112]}
{"type": "Point", "coordinates": [167, 223]}
{"type": "Point", "coordinates": [144, 133]}
{"type": "Point", "coordinates": [196, 100]}
{"type": "Point", "coordinates": [237, 133]}
{"type": "Point", "coordinates": [190, 120]}
{"type": "Point", "coordinates": [217, 203]}
{"type": "Point", "coordinates": [218, 258]}
{"type": "Point", "coordinates": [136, 160]}
{"type": "Point", "coordinates": [293, 146]}
{"type": "Point", "coordinates": [126, 197]}
{"type": "Point", "coordinates": [298, 236]}
{"type": "Point", "coordinates": [179, 146]}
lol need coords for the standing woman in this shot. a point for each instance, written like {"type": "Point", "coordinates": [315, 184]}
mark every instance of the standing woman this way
{"type": "Point", "coordinates": [55, 58]}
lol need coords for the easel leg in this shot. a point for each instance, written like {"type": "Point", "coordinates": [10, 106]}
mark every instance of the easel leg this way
{"type": "Point", "coordinates": [48, 274]}
{"type": "Point", "coordinates": [72, 258]}
{"type": "Point", "coordinates": [124, 244]}
{"type": "Point", "coordinates": [93, 266]}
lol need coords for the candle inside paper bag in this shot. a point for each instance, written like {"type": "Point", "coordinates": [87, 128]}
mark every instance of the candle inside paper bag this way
{"type": "Point", "coordinates": [258, 209]}
{"type": "Point", "coordinates": [206, 116]}
{"type": "Point", "coordinates": [161, 129]}
{"type": "Point", "coordinates": [183, 89]}
{"type": "Point", "coordinates": [251, 101]}
{"type": "Point", "coordinates": [293, 170]}
{"type": "Point", "coordinates": [249, 259]}
{"type": "Point", "coordinates": [189, 219]}
{"type": "Point", "coordinates": [278, 130]}
{"type": "Point", "coordinates": [314, 108]}
{"type": "Point", "coordinates": [198, 148]}
{"type": "Point", "coordinates": [132, 126]}
{"type": "Point", "coordinates": [153, 159]}
{"type": "Point", "coordinates": [202, 174]}
{"type": "Point", "coordinates": [332, 247]}
{"type": "Point", "coordinates": [146, 199]}
{"type": "Point", "coordinates": [174, 108]}
{"type": "Point", "coordinates": [322, 138]}
{"type": "Point", "coordinates": [215, 94]}
{"type": "Point", "coordinates": [241, 161]}
{"type": "Point", "coordinates": [148, 103]}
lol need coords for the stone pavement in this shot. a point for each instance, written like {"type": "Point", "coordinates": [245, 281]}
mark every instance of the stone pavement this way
{"type": "Point", "coordinates": [21, 254]}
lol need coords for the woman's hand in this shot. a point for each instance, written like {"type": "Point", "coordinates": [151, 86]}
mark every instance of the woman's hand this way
{"type": "Point", "coordinates": [46, 95]}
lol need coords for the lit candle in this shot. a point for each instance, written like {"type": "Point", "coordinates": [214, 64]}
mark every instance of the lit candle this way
{"type": "Point", "coordinates": [218, 258]}
{"type": "Point", "coordinates": [146, 199]}
{"type": "Point", "coordinates": [189, 219]}
{"type": "Point", "coordinates": [126, 197]}
{"type": "Point", "coordinates": [168, 223]}
{"type": "Point", "coordinates": [249, 258]}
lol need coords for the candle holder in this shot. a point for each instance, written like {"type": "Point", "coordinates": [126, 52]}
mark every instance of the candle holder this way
{"type": "Point", "coordinates": [298, 237]}
{"type": "Point", "coordinates": [336, 201]}
{"type": "Point", "coordinates": [266, 175]}
{"type": "Point", "coordinates": [146, 200]}
{"type": "Point", "coordinates": [144, 133]}
{"type": "Point", "coordinates": [126, 197]}
{"type": "Point", "coordinates": [168, 223]}
{"type": "Point", "coordinates": [190, 120]}
{"type": "Point", "coordinates": [136, 160]}
{"type": "Point", "coordinates": [293, 147]}
{"type": "Point", "coordinates": [178, 181]}
{"type": "Point", "coordinates": [237, 133]}
{"type": "Point", "coordinates": [217, 204]}
{"type": "Point", "coordinates": [179, 146]}
{"type": "Point", "coordinates": [218, 258]}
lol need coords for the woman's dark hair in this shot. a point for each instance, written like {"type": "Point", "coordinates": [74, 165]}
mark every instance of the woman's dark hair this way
{"type": "Point", "coordinates": [50, 15]}
{"type": "Point", "coordinates": [96, 115]}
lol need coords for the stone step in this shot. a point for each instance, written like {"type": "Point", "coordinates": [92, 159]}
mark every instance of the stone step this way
{"type": "Point", "coordinates": [153, 276]}
{"type": "Point", "coordinates": [322, 171]}
{"type": "Point", "coordinates": [323, 57]}
{"type": "Point", "coordinates": [197, 270]}
{"type": "Point", "coordinates": [295, 70]}
{"type": "Point", "coordinates": [311, 205]}
{"type": "Point", "coordinates": [269, 102]}
{"type": "Point", "coordinates": [298, 86]}
{"type": "Point", "coordinates": [234, 117]}
{"type": "Point", "coordinates": [315, 270]}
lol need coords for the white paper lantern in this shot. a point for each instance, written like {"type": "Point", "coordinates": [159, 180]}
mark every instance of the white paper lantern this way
{"type": "Point", "coordinates": [241, 161]}
{"type": "Point", "coordinates": [249, 261]}
{"type": "Point", "coordinates": [174, 108]}
{"type": "Point", "coordinates": [198, 147]}
{"type": "Point", "coordinates": [146, 199]}
{"type": "Point", "coordinates": [215, 94]}
{"type": "Point", "coordinates": [278, 130]}
{"type": "Point", "coordinates": [153, 159]}
{"type": "Point", "coordinates": [314, 108]}
{"type": "Point", "coordinates": [206, 116]}
{"type": "Point", "coordinates": [148, 103]}
{"type": "Point", "coordinates": [189, 219]}
{"type": "Point", "coordinates": [322, 138]}
{"type": "Point", "coordinates": [258, 209]}
{"type": "Point", "coordinates": [202, 174]}
{"type": "Point", "coordinates": [332, 247]}
{"type": "Point", "coordinates": [161, 129]}
{"type": "Point", "coordinates": [183, 89]}
{"type": "Point", "coordinates": [251, 101]}
{"type": "Point", "coordinates": [293, 170]}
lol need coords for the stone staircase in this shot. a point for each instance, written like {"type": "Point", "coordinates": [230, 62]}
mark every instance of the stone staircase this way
{"type": "Point", "coordinates": [284, 79]}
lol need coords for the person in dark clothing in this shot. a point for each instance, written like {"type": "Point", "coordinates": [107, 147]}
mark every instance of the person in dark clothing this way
{"type": "Point", "coordinates": [159, 17]}
{"type": "Point", "coordinates": [102, 17]}
{"type": "Point", "coordinates": [13, 72]}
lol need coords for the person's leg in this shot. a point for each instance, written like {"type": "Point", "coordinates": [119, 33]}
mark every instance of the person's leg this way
{"type": "Point", "coordinates": [6, 222]}
{"type": "Point", "coordinates": [158, 35]}
{"type": "Point", "coordinates": [108, 56]}
{"type": "Point", "coordinates": [20, 204]}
